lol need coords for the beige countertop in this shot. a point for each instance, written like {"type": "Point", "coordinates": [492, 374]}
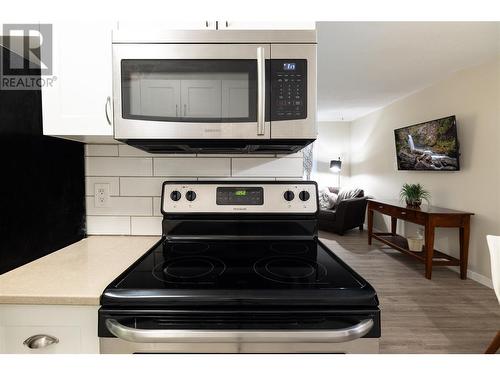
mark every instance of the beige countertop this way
{"type": "Point", "coordinates": [74, 275]}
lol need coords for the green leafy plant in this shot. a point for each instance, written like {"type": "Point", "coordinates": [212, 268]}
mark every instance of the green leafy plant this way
{"type": "Point", "coordinates": [413, 194]}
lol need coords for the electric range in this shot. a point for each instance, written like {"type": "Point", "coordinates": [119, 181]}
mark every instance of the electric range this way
{"type": "Point", "coordinates": [239, 269]}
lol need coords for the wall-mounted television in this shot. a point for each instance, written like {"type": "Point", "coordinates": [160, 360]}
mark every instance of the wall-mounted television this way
{"type": "Point", "coordinates": [428, 146]}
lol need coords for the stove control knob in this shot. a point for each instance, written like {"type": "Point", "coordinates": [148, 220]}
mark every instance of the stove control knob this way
{"type": "Point", "coordinates": [289, 195]}
{"type": "Point", "coordinates": [175, 195]}
{"type": "Point", "coordinates": [190, 195]}
{"type": "Point", "coordinates": [304, 195]}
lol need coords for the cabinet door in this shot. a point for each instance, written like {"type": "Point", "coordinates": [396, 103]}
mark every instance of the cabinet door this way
{"type": "Point", "coordinates": [201, 99]}
{"type": "Point", "coordinates": [179, 24]}
{"type": "Point", "coordinates": [75, 105]}
{"type": "Point", "coordinates": [74, 328]}
{"type": "Point", "coordinates": [159, 97]}
{"type": "Point", "coordinates": [235, 98]}
{"type": "Point", "coordinates": [266, 25]}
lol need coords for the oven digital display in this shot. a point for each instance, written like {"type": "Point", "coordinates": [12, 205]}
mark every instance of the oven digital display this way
{"type": "Point", "coordinates": [252, 196]}
{"type": "Point", "coordinates": [288, 66]}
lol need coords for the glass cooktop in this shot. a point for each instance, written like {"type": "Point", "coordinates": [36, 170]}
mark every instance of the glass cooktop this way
{"type": "Point", "coordinates": [236, 271]}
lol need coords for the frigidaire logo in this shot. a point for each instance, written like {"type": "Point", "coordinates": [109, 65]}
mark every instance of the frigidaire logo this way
{"type": "Point", "coordinates": [212, 130]}
{"type": "Point", "coordinates": [26, 57]}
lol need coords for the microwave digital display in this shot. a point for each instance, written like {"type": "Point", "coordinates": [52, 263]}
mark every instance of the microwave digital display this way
{"type": "Point", "coordinates": [288, 66]}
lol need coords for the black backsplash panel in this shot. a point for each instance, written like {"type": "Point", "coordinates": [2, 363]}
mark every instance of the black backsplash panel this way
{"type": "Point", "coordinates": [42, 192]}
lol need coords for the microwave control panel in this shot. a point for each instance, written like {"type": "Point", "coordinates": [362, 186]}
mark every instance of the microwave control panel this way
{"type": "Point", "coordinates": [288, 89]}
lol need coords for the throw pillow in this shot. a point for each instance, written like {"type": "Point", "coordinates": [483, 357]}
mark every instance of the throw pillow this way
{"type": "Point", "coordinates": [347, 194]}
{"type": "Point", "coordinates": [332, 199]}
{"type": "Point", "coordinates": [327, 200]}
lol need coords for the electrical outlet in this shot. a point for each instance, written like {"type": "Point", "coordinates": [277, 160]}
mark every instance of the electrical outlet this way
{"type": "Point", "coordinates": [101, 195]}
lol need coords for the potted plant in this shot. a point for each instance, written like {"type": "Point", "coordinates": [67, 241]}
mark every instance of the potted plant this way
{"type": "Point", "coordinates": [413, 194]}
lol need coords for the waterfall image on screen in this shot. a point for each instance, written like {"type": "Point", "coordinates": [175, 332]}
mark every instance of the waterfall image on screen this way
{"type": "Point", "coordinates": [431, 145]}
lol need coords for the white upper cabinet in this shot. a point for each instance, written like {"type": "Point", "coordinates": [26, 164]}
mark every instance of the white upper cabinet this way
{"type": "Point", "coordinates": [266, 25]}
{"type": "Point", "coordinates": [79, 102]}
{"type": "Point", "coordinates": [215, 25]}
{"type": "Point", "coordinates": [159, 97]}
{"type": "Point", "coordinates": [234, 98]}
{"type": "Point", "coordinates": [178, 24]}
{"type": "Point", "coordinates": [201, 98]}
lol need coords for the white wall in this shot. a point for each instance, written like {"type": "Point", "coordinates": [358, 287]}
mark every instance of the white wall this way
{"type": "Point", "coordinates": [332, 143]}
{"type": "Point", "coordinates": [135, 178]}
{"type": "Point", "coordinates": [473, 95]}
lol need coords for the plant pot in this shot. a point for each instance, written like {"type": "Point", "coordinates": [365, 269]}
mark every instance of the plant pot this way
{"type": "Point", "coordinates": [413, 202]}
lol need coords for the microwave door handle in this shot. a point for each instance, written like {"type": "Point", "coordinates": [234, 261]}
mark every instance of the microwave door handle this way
{"type": "Point", "coordinates": [261, 91]}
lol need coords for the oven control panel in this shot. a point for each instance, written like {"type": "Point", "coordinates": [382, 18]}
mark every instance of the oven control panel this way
{"type": "Point", "coordinates": [288, 89]}
{"type": "Point", "coordinates": [299, 197]}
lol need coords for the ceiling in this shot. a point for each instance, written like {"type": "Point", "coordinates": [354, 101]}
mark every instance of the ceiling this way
{"type": "Point", "coordinates": [363, 66]}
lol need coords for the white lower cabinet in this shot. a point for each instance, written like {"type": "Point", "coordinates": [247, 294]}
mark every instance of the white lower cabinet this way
{"type": "Point", "coordinates": [56, 329]}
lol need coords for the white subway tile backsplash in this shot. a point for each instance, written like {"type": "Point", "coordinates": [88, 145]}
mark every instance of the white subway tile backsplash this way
{"type": "Point", "coordinates": [122, 206]}
{"type": "Point", "coordinates": [108, 225]}
{"type": "Point", "coordinates": [126, 150]}
{"type": "Point", "coordinates": [114, 184]}
{"type": "Point", "coordinates": [111, 166]}
{"type": "Point", "coordinates": [145, 226]}
{"type": "Point", "coordinates": [190, 167]}
{"type": "Point", "coordinates": [253, 167]}
{"type": "Point", "coordinates": [135, 178]}
{"type": "Point", "coordinates": [299, 154]}
{"type": "Point", "coordinates": [143, 186]}
{"type": "Point", "coordinates": [101, 150]}
{"type": "Point", "coordinates": [157, 206]}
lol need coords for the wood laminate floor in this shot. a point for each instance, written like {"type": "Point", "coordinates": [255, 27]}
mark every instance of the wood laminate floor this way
{"type": "Point", "coordinates": [442, 315]}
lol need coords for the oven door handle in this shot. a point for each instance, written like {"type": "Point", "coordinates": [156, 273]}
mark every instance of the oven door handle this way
{"type": "Point", "coordinates": [265, 336]}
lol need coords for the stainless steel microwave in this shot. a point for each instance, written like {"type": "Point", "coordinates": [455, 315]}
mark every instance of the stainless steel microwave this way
{"type": "Point", "coordinates": [217, 91]}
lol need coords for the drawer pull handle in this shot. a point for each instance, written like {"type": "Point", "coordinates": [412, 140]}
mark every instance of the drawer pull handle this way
{"type": "Point", "coordinates": [403, 213]}
{"type": "Point", "coordinates": [40, 341]}
{"type": "Point", "coordinates": [380, 206]}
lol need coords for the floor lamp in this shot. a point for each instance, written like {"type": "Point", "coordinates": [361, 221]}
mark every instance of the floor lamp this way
{"type": "Point", "coordinates": [335, 167]}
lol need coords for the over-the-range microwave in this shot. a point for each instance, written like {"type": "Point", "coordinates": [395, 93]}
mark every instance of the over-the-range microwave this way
{"type": "Point", "coordinates": [216, 91]}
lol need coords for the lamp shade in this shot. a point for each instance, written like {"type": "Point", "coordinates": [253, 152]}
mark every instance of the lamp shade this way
{"type": "Point", "coordinates": [335, 165]}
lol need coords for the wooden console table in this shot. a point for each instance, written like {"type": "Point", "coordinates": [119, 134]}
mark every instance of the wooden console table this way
{"type": "Point", "coordinates": [430, 217]}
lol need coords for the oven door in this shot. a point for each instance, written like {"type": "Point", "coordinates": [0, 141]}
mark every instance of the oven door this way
{"type": "Point", "coordinates": [236, 332]}
{"type": "Point", "coordinates": [190, 91]}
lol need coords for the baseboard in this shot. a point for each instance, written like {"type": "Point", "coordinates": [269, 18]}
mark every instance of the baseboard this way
{"type": "Point", "coordinates": [481, 279]}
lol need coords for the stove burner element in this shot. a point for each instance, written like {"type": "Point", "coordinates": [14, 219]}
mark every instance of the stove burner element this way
{"type": "Point", "coordinates": [290, 248]}
{"type": "Point", "coordinates": [290, 270]}
{"type": "Point", "coordinates": [190, 269]}
{"type": "Point", "coordinates": [189, 248]}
